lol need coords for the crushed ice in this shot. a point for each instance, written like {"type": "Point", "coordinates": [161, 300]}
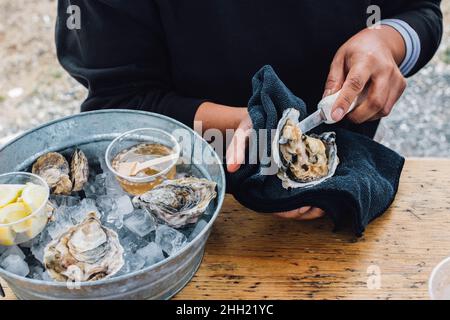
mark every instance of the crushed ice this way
{"type": "Point", "coordinates": [145, 240]}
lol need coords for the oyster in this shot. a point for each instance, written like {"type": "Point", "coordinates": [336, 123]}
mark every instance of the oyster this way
{"type": "Point", "coordinates": [302, 160]}
{"type": "Point", "coordinates": [79, 170]}
{"type": "Point", "coordinates": [54, 169]}
{"type": "Point", "coordinates": [85, 252]}
{"type": "Point", "coordinates": [178, 202]}
{"type": "Point", "coordinates": [60, 177]}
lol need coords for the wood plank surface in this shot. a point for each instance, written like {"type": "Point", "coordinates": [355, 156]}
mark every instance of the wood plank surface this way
{"type": "Point", "coordinates": [255, 256]}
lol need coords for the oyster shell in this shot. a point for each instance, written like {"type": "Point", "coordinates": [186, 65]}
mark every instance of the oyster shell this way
{"type": "Point", "coordinates": [54, 169]}
{"type": "Point", "coordinates": [85, 252]}
{"type": "Point", "coordinates": [302, 160]}
{"type": "Point", "coordinates": [79, 170]}
{"type": "Point", "coordinates": [178, 202]}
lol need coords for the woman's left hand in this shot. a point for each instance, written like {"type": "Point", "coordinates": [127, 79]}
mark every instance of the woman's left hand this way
{"type": "Point", "coordinates": [236, 156]}
{"type": "Point", "coordinates": [366, 66]}
{"type": "Point", "coordinates": [304, 213]}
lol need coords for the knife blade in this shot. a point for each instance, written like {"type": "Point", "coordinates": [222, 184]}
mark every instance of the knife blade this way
{"type": "Point", "coordinates": [312, 121]}
{"type": "Point", "coordinates": [323, 113]}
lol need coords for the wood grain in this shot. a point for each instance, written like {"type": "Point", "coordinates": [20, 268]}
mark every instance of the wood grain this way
{"type": "Point", "coordinates": [255, 256]}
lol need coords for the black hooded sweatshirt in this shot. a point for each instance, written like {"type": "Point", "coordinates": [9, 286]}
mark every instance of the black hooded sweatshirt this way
{"type": "Point", "coordinates": [169, 56]}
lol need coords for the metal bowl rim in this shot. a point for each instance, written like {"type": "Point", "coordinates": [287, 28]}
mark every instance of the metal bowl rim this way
{"type": "Point", "coordinates": [154, 266]}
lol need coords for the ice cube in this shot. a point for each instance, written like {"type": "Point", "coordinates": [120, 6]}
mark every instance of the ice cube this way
{"type": "Point", "coordinates": [112, 186]}
{"type": "Point", "coordinates": [61, 222]}
{"type": "Point", "coordinates": [68, 201]}
{"type": "Point", "coordinates": [39, 244]}
{"type": "Point", "coordinates": [123, 207]}
{"type": "Point", "coordinates": [105, 204]}
{"type": "Point", "coordinates": [78, 213]}
{"type": "Point", "coordinates": [36, 272]}
{"type": "Point", "coordinates": [130, 242]}
{"type": "Point", "coordinates": [169, 239]}
{"type": "Point", "coordinates": [140, 222]}
{"type": "Point", "coordinates": [201, 224]}
{"type": "Point", "coordinates": [13, 250]}
{"type": "Point", "coordinates": [133, 262]}
{"type": "Point", "coordinates": [15, 264]}
{"type": "Point", "coordinates": [58, 227]}
{"type": "Point", "coordinates": [152, 254]}
{"type": "Point", "coordinates": [95, 187]}
{"type": "Point", "coordinates": [102, 162]}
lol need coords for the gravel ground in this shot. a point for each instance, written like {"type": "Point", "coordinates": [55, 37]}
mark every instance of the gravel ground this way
{"type": "Point", "coordinates": [34, 89]}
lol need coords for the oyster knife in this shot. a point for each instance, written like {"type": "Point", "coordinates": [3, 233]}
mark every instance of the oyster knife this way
{"type": "Point", "coordinates": [323, 113]}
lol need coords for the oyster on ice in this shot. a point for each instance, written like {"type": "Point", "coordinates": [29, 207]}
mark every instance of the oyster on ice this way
{"type": "Point", "coordinates": [85, 252]}
{"type": "Point", "coordinates": [79, 170]}
{"type": "Point", "coordinates": [302, 160]}
{"type": "Point", "coordinates": [178, 202]}
{"type": "Point", "coordinates": [54, 169]}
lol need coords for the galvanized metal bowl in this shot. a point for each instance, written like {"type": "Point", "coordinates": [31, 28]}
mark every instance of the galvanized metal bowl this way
{"type": "Point", "coordinates": [91, 131]}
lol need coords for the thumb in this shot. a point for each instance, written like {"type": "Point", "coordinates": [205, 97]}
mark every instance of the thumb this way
{"type": "Point", "coordinates": [354, 84]}
{"type": "Point", "coordinates": [235, 155]}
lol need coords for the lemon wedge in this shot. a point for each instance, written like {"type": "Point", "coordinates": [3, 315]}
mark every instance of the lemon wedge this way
{"type": "Point", "coordinates": [14, 212]}
{"type": "Point", "coordinates": [6, 236]}
{"type": "Point", "coordinates": [33, 196]}
{"type": "Point", "coordinates": [9, 193]}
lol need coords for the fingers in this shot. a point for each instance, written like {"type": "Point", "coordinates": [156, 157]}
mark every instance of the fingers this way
{"type": "Point", "coordinates": [354, 84]}
{"type": "Point", "coordinates": [304, 213]}
{"type": "Point", "coordinates": [314, 213]}
{"type": "Point", "coordinates": [336, 76]}
{"type": "Point", "coordinates": [383, 93]}
{"type": "Point", "coordinates": [293, 214]}
{"type": "Point", "coordinates": [374, 102]}
{"type": "Point", "coordinates": [235, 154]}
{"type": "Point", "coordinates": [395, 93]}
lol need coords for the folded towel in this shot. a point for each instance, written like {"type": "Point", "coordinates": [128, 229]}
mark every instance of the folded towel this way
{"type": "Point", "coordinates": [363, 187]}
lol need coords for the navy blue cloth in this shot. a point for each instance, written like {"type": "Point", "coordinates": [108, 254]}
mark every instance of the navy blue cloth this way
{"type": "Point", "coordinates": [363, 187]}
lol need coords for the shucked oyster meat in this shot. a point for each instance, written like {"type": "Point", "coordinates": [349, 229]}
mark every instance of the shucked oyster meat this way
{"type": "Point", "coordinates": [54, 169]}
{"type": "Point", "coordinates": [302, 160]}
{"type": "Point", "coordinates": [79, 170]}
{"type": "Point", "coordinates": [85, 252]}
{"type": "Point", "coordinates": [178, 202]}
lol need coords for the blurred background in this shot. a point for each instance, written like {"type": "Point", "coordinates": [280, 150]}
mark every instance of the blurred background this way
{"type": "Point", "coordinates": [34, 88]}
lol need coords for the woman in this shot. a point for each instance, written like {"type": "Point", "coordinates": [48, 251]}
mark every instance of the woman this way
{"type": "Point", "coordinates": [193, 60]}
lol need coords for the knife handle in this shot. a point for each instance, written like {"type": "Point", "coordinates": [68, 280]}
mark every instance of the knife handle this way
{"type": "Point", "coordinates": [326, 105]}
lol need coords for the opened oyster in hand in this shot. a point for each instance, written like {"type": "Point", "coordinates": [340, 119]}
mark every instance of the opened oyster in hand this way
{"type": "Point", "coordinates": [85, 252]}
{"type": "Point", "coordinates": [178, 202]}
{"type": "Point", "coordinates": [302, 160]}
{"type": "Point", "coordinates": [54, 169]}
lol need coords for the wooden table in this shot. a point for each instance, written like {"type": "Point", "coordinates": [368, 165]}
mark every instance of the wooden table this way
{"type": "Point", "coordinates": [254, 256]}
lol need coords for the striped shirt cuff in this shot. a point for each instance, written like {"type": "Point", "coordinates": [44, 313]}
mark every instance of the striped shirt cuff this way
{"type": "Point", "coordinates": [412, 43]}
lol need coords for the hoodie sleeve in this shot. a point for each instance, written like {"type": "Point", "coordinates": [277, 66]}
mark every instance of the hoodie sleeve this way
{"type": "Point", "coordinates": [119, 54]}
{"type": "Point", "coordinates": [422, 16]}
